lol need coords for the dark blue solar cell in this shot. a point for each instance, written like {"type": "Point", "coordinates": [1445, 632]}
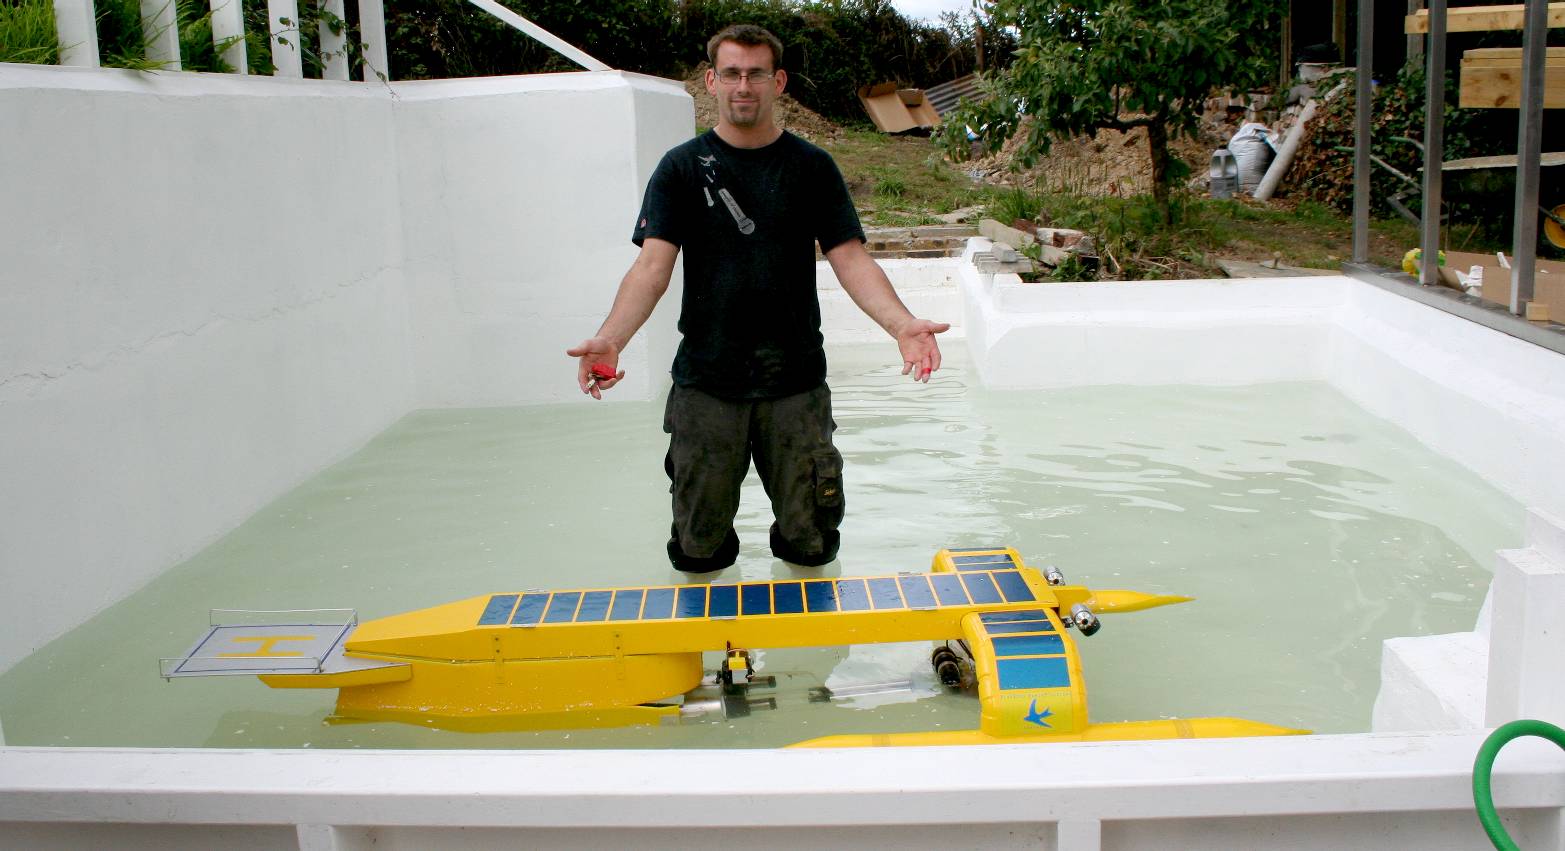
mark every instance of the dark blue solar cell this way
{"type": "Point", "coordinates": [1028, 645]}
{"type": "Point", "coordinates": [948, 587]}
{"type": "Point", "coordinates": [627, 604]}
{"type": "Point", "coordinates": [787, 597]}
{"type": "Point", "coordinates": [530, 610]}
{"type": "Point", "coordinates": [594, 606]}
{"type": "Point", "coordinates": [915, 589]}
{"type": "Point", "coordinates": [991, 558]}
{"type": "Point", "coordinates": [981, 587]}
{"type": "Point", "coordinates": [498, 610]}
{"type": "Point", "coordinates": [851, 595]}
{"type": "Point", "coordinates": [966, 563]}
{"type": "Point", "coordinates": [1019, 615]}
{"type": "Point", "coordinates": [1032, 673]}
{"type": "Point", "coordinates": [660, 604]}
{"type": "Point", "coordinates": [1018, 626]}
{"type": "Point", "coordinates": [692, 601]}
{"type": "Point", "coordinates": [821, 596]}
{"type": "Point", "coordinates": [1014, 587]}
{"type": "Point", "coordinates": [725, 601]}
{"type": "Point", "coordinates": [757, 598]}
{"type": "Point", "coordinates": [562, 609]}
{"type": "Point", "coordinates": [883, 592]}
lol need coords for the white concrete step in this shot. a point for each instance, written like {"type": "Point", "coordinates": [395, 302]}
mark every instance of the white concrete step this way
{"type": "Point", "coordinates": [928, 286]}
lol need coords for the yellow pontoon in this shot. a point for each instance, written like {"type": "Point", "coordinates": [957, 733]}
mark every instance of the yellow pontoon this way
{"type": "Point", "coordinates": [617, 656]}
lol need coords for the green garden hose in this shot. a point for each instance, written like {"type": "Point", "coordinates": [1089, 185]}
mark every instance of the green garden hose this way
{"type": "Point", "coordinates": [1482, 767]}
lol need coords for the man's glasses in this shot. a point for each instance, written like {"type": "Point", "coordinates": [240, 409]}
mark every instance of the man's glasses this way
{"type": "Point", "coordinates": [730, 77]}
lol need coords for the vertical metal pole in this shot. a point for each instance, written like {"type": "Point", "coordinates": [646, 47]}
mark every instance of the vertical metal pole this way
{"type": "Point", "coordinates": [160, 33]}
{"type": "Point", "coordinates": [372, 41]}
{"type": "Point", "coordinates": [1434, 147]}
{"type": "Point", "coordinates": [333, 45]}
{"type": "Point", "coordinates": [228, 34]}
{"type": "Point", "coordinates": [283, 16]}
{"type": "Point", "coordinates": [76, 26]}
{"type": "Point", "coordinates": [1415, 41]}
{"type": "Point", "coordinates": [1529, 148]}
{"type": "Point", "coordinates": [1363, 110]}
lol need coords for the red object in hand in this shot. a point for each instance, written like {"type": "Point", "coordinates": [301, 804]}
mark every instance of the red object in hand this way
{"type": "Point", "coordinates": [602, 372]}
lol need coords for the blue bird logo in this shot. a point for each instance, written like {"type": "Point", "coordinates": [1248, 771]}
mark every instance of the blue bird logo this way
{"type": "Point", "coordinates": [1032, 716]}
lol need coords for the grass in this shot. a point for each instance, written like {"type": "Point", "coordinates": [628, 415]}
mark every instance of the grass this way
{"type": "Point", "coordinates": [27, 32]}
{"type": "Point", "coordinates": [903, 181]}
{"type": "Point", "coordinates": [900, 181]}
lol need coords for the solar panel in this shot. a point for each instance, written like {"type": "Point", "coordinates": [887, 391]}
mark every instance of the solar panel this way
{"type": "Point", "coordinates": [756, 598]}
{"type": "Point", "coordinates": [1014, 587]}
{"type": "Point", "coordinates": [562, 608]}
{"type": "Point", "coordinates": [820, 596]}
{"type": "Point", "coordinates": [1022, 674]}
{"type": "Point", "coordinates": [948, 588]}
{"type": "Point", "coordinates": [884, 594]}
{"type": "Point", "coordinates": [915, 589]}
{"type": "Point", "coordinates": [692, 601]}
{"type": "Point", "coordinates": [660, 604]}
{"type": "Point", "coordinates": [627, 604]}
{"type": "Point", "coordinates": [499, 609]}
{"type": "Point", "coordinates": [1028, 645]}
{"type": "Point", "coordinates": [787, 598]}
{"type": "Point", "coordinates": [725, 601]}
{"type": "Point", "coordinates": [981, 588]}
{"type": "Point", "coordinates": [1019, 615]}
{"type": "Point", "coordinates": [530, 610]}
{"type": "Point", "coordinates": [594, 606]}
{"type": "Point", "coordinates": [852, 595]}
{"type": "Point", "coordinates": [1018, 626]}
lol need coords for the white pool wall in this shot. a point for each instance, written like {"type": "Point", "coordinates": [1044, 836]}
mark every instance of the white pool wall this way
{"type": "Point", "coordinates": [214, 286]}
{"type": "Point", "coordinates": [1492, 402]}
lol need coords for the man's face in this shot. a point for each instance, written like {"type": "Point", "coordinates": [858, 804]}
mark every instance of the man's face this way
{"type": "Point", "coordinates": [747, 102]}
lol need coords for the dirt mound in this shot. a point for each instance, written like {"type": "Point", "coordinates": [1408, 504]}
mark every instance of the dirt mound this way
{"type": "Point", "coordinates": [790, 114]}
{"type": "Point", "coordinates": [1111, 162]}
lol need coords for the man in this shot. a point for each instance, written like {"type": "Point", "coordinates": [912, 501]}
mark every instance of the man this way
{"type": "Point", "coordinates": [747, 202]}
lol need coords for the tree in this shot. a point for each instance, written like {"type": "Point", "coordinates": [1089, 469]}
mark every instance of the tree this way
{"type": "Point", "coordinates": [1088, 65]}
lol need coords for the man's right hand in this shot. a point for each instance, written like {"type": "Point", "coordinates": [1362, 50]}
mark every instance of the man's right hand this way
{"type": "Point", "coordinates": [596, 351]}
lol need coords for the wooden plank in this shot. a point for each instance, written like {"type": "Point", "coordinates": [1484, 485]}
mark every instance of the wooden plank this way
{"type": "Point", "coordinates": [1506, 57]}
{"type": "Point", "coordinates": [1491, 82]}
{"type": "Point", "coordinates": [1501, 161]}
{"type": "Point", "coordinates": [1483, 18]}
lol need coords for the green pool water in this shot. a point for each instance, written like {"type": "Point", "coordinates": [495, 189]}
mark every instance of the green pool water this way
{"type": "Point", "coordinates": [1308, 531]}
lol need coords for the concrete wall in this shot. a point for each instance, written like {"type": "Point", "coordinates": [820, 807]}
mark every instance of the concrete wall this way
{"type": "Point", "coordinates": [520, 194]}
{"type": "Point", "coordinates": [201, 301]}
{"type": "Point", "coordinates": [214, 286]}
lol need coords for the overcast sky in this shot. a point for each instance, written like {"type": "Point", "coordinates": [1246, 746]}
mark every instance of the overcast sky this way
{"type": "Point", "coordinates": [929, 10]}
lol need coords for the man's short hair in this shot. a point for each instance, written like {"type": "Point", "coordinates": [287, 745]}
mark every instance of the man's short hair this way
{"type": "Point", "coordinates": [748, 35]}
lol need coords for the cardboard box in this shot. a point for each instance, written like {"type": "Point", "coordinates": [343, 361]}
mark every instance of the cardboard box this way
{"type": "Point", "coordinates": [1548, 286]}
{"type": "Point", "coordinates": [897, 110]}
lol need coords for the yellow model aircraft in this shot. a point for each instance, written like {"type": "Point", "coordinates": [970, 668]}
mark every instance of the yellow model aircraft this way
{"type": "Point", "coordinates": [611, 657]}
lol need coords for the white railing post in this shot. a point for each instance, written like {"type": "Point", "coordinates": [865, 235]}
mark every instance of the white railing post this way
{"type": "Point", "coordinates": [75, 24]}
{"type": "Point", "coordinates": [287, 60]}
{"type": "Point", "coordinates": [549, 39]}
{"type": "Point", "coordinates": [228, 34]}
{"type": "Point", "coordinates": [160, 32]}
{"type": "Point", "coordinates": [372, 41]}
{"type": "Point", "coordinates": [333, 45]}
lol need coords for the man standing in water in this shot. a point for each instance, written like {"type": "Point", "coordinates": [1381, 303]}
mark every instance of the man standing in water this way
{"type": "Point", "coordinates": [747, 203]}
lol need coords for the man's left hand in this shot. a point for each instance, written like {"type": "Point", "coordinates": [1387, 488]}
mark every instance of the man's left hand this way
{"type": "Point", "coordinates": [920, 352]}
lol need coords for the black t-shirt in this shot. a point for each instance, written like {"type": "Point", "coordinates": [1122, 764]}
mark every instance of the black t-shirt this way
{"type": "Point", "coordinates": [747, 220]}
